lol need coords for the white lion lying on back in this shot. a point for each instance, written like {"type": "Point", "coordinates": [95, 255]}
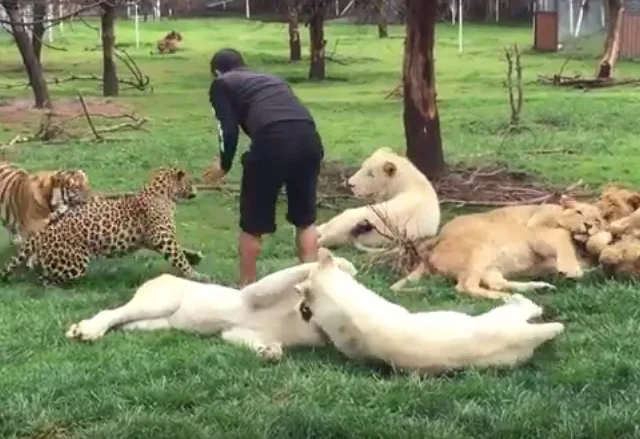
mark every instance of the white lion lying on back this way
{"type": "Point", "coordinates": [366, 327]}
{"type": "Point", "coordinates": [403, 195]}
{"type": "Point", "coordinates": [262, 316]}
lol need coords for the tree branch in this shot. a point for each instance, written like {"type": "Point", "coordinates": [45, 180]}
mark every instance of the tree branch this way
{"type": "Point", "coordinates": [52, 21]}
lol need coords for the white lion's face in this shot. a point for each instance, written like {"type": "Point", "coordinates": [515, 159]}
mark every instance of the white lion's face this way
{"type": "Point", "coordinates": [375, 175]}
{"type": "Point", "coordinates": [312, 304]}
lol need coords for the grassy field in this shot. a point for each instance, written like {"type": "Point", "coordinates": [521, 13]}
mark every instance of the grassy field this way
{"type": "Point", "coordinates": [175, 385]}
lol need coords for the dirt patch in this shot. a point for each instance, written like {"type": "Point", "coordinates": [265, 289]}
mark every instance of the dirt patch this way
{"type": "Point", "coordinates": [464, 184]}
{"type": "Point", "coordinates": [50, 431]}
{"type": "Point", "coordinates": [333, 178]}
{"type": "Point", "coordinates": [17, 111]}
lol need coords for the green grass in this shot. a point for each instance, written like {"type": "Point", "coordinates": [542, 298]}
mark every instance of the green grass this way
{"type": "Point", "coordinates": [176, 385]}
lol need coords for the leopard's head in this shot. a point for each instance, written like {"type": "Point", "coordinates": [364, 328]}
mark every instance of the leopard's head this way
{"type": "Point", "coordinates": [173, 182]}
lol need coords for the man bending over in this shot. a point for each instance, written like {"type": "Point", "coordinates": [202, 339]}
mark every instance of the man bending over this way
{"type": "Point", "coordinates": [285, 150]}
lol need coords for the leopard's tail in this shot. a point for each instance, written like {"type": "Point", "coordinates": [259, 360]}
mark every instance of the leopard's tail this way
{"type": "Point", "coordinates": [18, 260]}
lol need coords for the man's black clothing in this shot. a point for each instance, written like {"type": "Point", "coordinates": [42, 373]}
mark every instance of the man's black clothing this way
{"type": "Point", "coordinates": [285, 149]}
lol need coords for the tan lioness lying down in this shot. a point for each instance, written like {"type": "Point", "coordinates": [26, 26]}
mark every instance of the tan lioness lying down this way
{"type": "Point", "coordinates": [481, 250]}
{"type": "Point", "coordinates": [403, 195]}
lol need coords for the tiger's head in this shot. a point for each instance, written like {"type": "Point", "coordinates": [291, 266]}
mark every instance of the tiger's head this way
{"type": "Point", "coordinates": [70, 187]}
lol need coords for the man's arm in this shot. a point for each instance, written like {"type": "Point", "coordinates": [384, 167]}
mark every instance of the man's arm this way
{"type": "Point", "coordinates": [227, 125]}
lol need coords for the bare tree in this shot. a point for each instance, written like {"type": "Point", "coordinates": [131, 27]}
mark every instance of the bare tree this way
{"type": "Point", "coordinates": [315, 11]}
{"type": "Point", "coordinates": [381, 14]}
{"type": "Point", "coordinates": [29, 59]}
{"type": "Point", "coordinates": [421, 119]}
{"type": "Point", "coordinates": [39, 15]}
{"type": "Point", "coordinates": [295, 49]}
{"type": "Point", "coordinates": [615, 11]}
{"type": "Point", "coordinates": [110, 85]}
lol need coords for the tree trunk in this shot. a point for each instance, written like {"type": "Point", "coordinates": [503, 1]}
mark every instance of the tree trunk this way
{"type": "Point", "coordinates": [31, 64]}
{"type": "Point", "coordinates": [295, 49]}
{"type": "Point", "coordinates": [383, 31]}
{"type": "Point", "coordinates": [421, 120]}
{"type": "Point", "coordinates": [39, 14]}
{"type": "Point", "coordinates": [109, 74]}
{"type": "Point", "coordinates": [316, 34]}
{"type": "Point", "coordinates": [612, 43]}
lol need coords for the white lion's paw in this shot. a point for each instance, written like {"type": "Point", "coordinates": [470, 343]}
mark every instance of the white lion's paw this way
{"type": "Point", "coordinates": [543, 285]}
{"type": "Point", "coordinates": [520, 300]}
{"type": "Point", "coordinates": [516, 299]}
{"type": "Point", "coordinates": [86, 330]}
{"type": "Point", "coordinates": [271, 352]}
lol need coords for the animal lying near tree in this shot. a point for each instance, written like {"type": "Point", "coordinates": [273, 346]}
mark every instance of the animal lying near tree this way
{"type": "Point", "coordinates": [481, 250]}
{"type": "Point", "coordinates": [169, 44]}
{"type": "Point", "coordinates": [111, 227]}
{"type": "Point", "coordinates": [365, 327]}
{"type": "Point", "coordinates": [403, 195]}
{"type": "Point", "coordinates": [28, 200]}
{"type": "Point", "coordinates": [262, 316]}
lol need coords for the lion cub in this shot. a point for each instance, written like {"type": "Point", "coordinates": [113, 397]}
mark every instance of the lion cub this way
{"type": "Point", "coordinates": [480, 250]}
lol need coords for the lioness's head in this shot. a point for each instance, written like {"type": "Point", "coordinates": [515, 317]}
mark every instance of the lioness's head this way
{"type": "Point", "coordinates": [621, 257]}
{"type": "Point", "coordinates": [310, 305]}
{"type": "Point", "coordinates": [580, 218]}
{"type": "Point", "coordinates": [378, 175]}
{"type": "Point", "coordinates": [617, 202]}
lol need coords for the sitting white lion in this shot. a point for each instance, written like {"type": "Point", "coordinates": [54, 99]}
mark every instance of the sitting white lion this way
{"type": "Point", "coordinates": [403, 195]}
{"type": "Point", "coordinates": [366, 327]}
{"type": "Point", "coordinates": [262, 316]}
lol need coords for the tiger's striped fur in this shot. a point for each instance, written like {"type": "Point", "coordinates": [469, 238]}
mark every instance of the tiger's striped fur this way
{"type": "Point", "coordinates": [28, 200]}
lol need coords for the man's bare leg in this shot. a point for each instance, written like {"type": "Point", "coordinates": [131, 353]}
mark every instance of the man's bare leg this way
{"type": "Point", "coordinates": [307, 244]}
{"type": "Point", "coordinates": [249, 248]}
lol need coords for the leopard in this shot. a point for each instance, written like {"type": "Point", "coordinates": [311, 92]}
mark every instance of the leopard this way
{"type": "Point", "coordinates": [112, 227]}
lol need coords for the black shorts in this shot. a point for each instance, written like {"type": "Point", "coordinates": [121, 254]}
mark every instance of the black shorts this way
{"type": "Point", "coordinates": [284, 154]}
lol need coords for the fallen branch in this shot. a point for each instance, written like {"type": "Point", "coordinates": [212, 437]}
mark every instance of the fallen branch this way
{"type": "Point", "coordinates": [137, 84]}
{"type": "Point", "coordinates": [88, 117]}
{"type": "Point", "coordinates": [396, 92]}
{"type": "Point", "coordinates": [141, 80]}
{"type": "Point", "coordinates": [585, 83]}
{"type": "Point", "coordinates": [137, 125]}
{"type": "Point", "coordinates": [462, 203]}
{"type": "Point", "coordinates": [564, 64]}
{"type": "Point", "coordinates": [402, 254]}
{"type": "Point", "coordinates": [337, 61]}
{"type": "Point", "coordinates": [552, 151]}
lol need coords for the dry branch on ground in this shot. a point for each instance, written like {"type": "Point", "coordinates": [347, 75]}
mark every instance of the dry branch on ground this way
{"type": "Point", "coordinates": [56, 127]}
{"type": "Point", "coordinates": [585, 83]}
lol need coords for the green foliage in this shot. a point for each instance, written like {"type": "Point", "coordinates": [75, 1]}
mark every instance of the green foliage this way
{"type": "Point", "coordinates": [174, 385]}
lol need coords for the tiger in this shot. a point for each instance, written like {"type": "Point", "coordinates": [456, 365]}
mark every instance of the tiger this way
{"type": "Point", "coordinates": [28, 201]}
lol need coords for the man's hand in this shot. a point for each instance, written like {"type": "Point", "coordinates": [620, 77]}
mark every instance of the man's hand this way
{"type": "Point", "coordinates": [214, 173]}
